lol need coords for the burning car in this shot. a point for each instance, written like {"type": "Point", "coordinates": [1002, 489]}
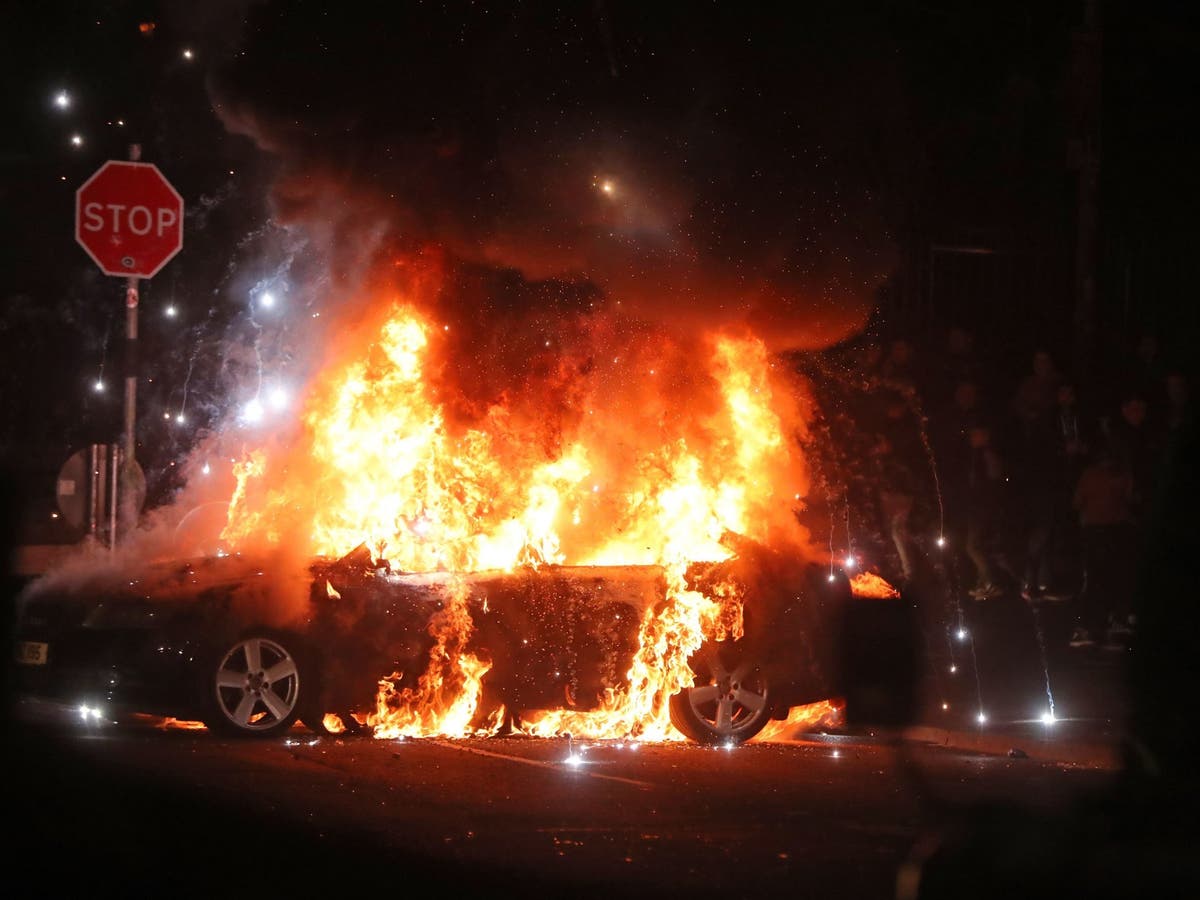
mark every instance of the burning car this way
{"type": "Point", "coordinates": [586, 649]}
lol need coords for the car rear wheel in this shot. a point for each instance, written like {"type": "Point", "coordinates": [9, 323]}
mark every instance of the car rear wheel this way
{"type": "Point", "coordinates": [255, 687]}
{"type": "Point", "coordinates": [730, 701]}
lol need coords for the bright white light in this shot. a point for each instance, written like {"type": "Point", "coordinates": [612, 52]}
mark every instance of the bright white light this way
{"type": "Point", "coordinates": [953, 669]}
{"type": "Point", "coordinates": [941, 541]}
{"type": "Point", "coordinates": [728, 745]}
{"type": "Point", "coordinates": [252, 411]}
{"type": "Point", "coordinates": [832, 577]}
{"type": "Point", "coordinates": [1048, 718]}
{"type": "Point", "coordinates": [574, 760]}
{"type": "Point", "coordinates": [166, 415]}
{"type": "Point", "coordinates": [180, 419]}
{"type": "Point", "coordinates": [98, 387]}
{"type": "Point", "coordinates": [76, 140]}
{"type": "Point", "coordinates": [267, 299]}
{"type": "Point", "coordinates": [961, 634]}
{"type": "Point", "coordinates": [837, 754]}
{"type": "Point", "coordinates": [170, 312]}
{"type": "Point", "coordinates": [945, 706]}
{"type": "Point", "coordinates": [62, 100]}
{"type": "Point", "coordinates": [278, 398]}
{"type": "Point", "coordinates": [207, 468]}
{"type": "Point", "coordinates": [981, 718]}
{"type": "Point", "coordinates": [188, 54]}
{"type": "Point", "coordinates": [850, 562]}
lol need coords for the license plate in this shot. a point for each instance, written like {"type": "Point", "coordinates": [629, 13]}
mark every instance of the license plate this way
{"type": "Point", "coordinates": [32, 653]}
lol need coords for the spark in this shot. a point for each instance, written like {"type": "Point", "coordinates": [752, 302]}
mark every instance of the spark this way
{"type": "Point", "coordinates": [77, 140]}
{"type": "Point", "coordinates": [953, 669]}
{"type": "Point", "coordinates": [62, 100]}
{"type": "Point", "coordinates": [961, 634]}
{"type": "Point", "coordinates": [279, 398]}
{"type": "Point", "coordinates": [54, 515]}
{"type": "Point", "coordinates": [837, 754]}
{"type": "Point", "coordinates": [98, 387]}
{"type": "Point", "coordinates": [832, 577]}
{"type": "Point", "coordinates": [1048, 717]}
{"type": "Point", "coordinates": [850, 562]}
{"type": "Point", "coordinates": [166, 415]}
{"type": "Point", "coordinates": [574, 760]}
{"type": "Point", "coordinates": [941, 541]}
{"type": "Point", "coordinates": [170, 312]}
{"type": "Point", "coordinates": [180, 419]}
{"type": "Point", "coordinates": [728, 745]}
{"type": "Point", "coordinates": [267, 299]}
{"type": "Point", "coordinates": [607, 187]}
{"type": "Point", "coordinates": [188, 54]}
{"type": "Point", "coordinates": [981, 718]}
{"type": "Point", "coordinates": [945, 706]}
{"type": "Point", "coordinates": [206, 470]}
{"type": "Point", "coordinates": [252, 411]}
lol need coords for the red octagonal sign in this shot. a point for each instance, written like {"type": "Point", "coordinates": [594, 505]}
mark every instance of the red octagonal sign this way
{"type": "Point", "coordinates": [129, 219]}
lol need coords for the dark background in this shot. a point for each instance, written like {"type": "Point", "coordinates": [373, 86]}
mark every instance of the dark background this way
{"type": "Point", "coordinates": [846, 153]}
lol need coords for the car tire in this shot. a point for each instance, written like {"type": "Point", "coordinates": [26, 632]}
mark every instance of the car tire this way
{"type": "Point", "coordinates": [256, 685]}
{"type": "Point", "coordinates": [730, 701]}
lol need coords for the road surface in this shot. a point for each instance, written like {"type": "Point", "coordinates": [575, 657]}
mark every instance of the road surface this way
{"type": "Point", "coordinates": [136, 808]}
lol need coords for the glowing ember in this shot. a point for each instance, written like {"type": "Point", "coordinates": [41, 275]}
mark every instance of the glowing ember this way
{"type": "Point", "coordinates": [632, 470]}
{"type": "Point", "coordinates": [868, 584]}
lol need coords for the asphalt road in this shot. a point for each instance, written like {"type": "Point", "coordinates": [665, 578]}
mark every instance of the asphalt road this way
{"type": "Point", "coordinates": [138, 810]}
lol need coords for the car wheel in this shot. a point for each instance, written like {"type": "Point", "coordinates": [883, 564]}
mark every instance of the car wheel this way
{"type": "Point", "coordinates": [255, 687]}
{"type": "Point", "coordinates": [730, 701]}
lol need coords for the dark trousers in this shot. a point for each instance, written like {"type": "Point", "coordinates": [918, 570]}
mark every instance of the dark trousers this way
{"type": "Point", "coordinates": [1110, 561]}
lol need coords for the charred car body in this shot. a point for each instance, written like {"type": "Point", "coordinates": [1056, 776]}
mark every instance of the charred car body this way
{"type": "Point", "coordinates": [204, 640]}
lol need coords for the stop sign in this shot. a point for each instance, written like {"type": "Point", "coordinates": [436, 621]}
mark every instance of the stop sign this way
{"type": "Point", "coordinates": [129, 219]}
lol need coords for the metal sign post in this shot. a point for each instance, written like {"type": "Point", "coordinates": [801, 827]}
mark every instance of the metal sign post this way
{"type": "Point", "coordinates": [129, 219]}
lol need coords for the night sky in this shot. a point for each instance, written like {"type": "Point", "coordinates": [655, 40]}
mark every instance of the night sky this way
{"type": "Point", "coordinates": [759, 167]}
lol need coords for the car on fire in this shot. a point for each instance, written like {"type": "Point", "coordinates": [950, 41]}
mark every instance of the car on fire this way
{"type": "Point", "coordinates": [204, 639]}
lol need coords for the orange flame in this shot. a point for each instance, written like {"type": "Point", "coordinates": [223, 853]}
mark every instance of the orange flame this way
{"type": "Point", "coordinates": [823, 714]}
{"type": "Point", "coordinates": [870, 585]}
{"type": "Point", "coordinates": [655, 458]}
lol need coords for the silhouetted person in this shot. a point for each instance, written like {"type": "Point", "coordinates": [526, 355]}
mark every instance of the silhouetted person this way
{"type": "Point", "coordinates": [1136, 446]}
{"type": "Point", "coordinates": [1056, 448]}
{"type": "Point", "coordinates": [1103, 500]}
{"type": "Point", "coordinates": [984, 502]}
{"type": "Point", "coordinates": [1035, 396]}
{"type": "Point", "coordinates": [1179, 402]}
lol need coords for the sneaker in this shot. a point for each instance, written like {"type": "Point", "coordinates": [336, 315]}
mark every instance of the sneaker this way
{"type": "Point", "coordinates": [1081, 638]}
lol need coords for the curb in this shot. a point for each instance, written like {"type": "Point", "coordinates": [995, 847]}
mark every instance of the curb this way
{"type": "Point", "coordinates": [1099, 755]}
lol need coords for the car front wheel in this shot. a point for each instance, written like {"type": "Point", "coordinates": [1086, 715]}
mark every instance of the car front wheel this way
{"type": "Point", "coordinates": [255, 687]}
{"type": "Point", "coordinates": [730, 701]}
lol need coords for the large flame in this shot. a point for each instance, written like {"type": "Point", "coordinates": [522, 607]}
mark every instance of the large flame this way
{"type": "Point", "coordinates": [649, 455]}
